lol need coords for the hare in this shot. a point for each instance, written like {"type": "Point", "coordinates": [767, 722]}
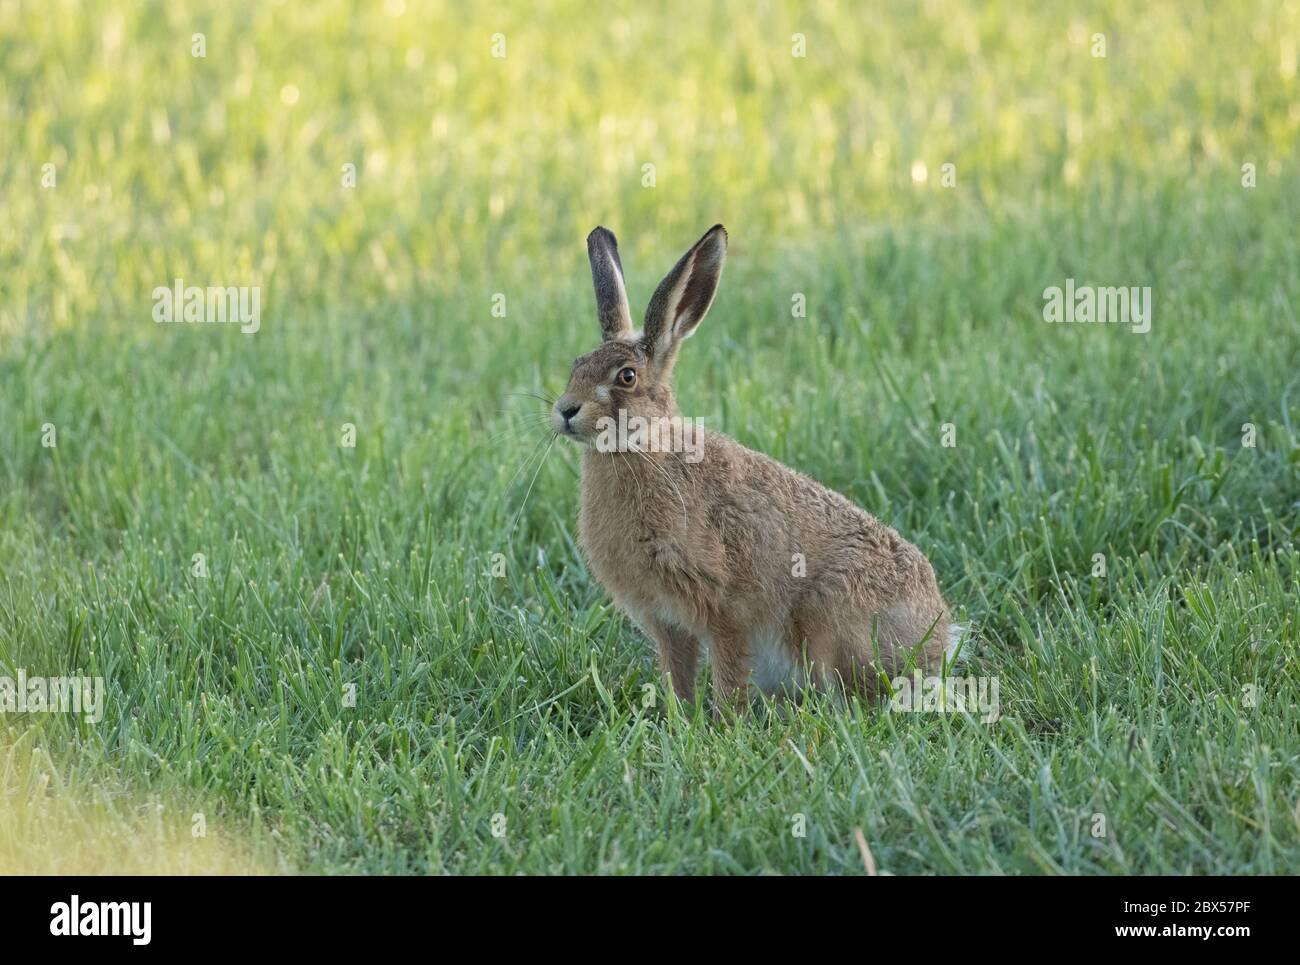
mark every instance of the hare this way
{"type": "Point", "coordinates": [786, 583]}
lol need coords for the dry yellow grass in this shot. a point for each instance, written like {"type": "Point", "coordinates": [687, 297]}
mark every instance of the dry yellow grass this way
{"type": "Point", "coordinates": [50, 824]}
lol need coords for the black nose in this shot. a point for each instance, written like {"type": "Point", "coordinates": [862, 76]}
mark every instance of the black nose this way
{"type": "Point", "coordinates": [570, 412]}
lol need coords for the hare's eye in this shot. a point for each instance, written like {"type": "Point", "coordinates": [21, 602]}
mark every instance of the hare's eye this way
{"type": "Point", "coordinates": [627, 377]}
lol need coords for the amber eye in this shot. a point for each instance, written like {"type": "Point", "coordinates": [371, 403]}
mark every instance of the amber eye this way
{"type": "Point", "coordinates": [627, 377]}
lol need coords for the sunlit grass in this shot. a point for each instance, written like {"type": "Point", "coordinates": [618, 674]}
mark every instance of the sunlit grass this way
{"type": "Point", "coordinates": [52, 823]}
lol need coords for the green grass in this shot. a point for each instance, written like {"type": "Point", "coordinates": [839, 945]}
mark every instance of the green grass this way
{"type": "Point", "coordinates": [1126, 696]}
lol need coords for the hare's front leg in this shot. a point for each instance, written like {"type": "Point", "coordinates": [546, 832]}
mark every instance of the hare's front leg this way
{"type": "Point", "coordinates": [679, 655]}
{"type": "Point", "coordinates": [729, 654]}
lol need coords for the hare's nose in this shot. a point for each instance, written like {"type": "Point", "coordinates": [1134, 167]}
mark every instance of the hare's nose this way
{"type": "Point", "coordinates": [570, 412]}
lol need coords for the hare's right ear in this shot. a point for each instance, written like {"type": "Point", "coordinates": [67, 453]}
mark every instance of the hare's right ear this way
{"type": "Point", "coordinates": [684, 296]}
{"type": "Point", "coordinates": [611, 292]}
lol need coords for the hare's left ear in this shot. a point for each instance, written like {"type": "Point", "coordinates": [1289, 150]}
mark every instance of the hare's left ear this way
{"type": "Point", "coordinates": [611, 291]}
{"type": "Point", "coordinates": [684, 296]}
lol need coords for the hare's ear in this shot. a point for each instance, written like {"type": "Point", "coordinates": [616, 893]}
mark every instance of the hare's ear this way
{"type": "Point", "coordinates": [684, 296]}
{"type": "Point", "coordinates": [607, 277]}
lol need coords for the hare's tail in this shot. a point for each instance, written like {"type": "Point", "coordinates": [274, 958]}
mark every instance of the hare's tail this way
{"type": "Point", "coordinates": [958, 644]}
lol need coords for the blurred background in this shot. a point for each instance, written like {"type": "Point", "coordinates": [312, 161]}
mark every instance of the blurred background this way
{"type": "Point", "coordinates": [472, 166]}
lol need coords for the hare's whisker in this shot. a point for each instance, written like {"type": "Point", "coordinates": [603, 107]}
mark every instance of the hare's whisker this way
{"type": "Point", "coordinates": [640, 497]}
{"type": "Point", "coordinates": [525, 422]}
{"type": "Point", "coordinates": [672, 482]}
{"type": "Point", "coordinates": [531, 395]}
{"type": "Point", "coordinates": [505, 435]}
{"type": "Point", "coordinates": [514, 433]}
{"type": "Point", "coordinates": [540, 462]}
{"type": "Point", "coordinates": [526, 461]}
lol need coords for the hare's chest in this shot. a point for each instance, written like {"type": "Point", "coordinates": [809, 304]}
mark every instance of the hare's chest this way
{"type": "Point", "coordinates": [620, 558]}
{"type": "Point", "coordinates": [643, 550]}
{"type": "Point", "coordinates": [638, 566]}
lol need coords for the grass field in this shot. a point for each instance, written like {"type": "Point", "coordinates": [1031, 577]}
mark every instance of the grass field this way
{"type": "Point", "coordinates": [352, 688]}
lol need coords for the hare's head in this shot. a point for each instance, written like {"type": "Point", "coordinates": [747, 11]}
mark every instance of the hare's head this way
{"type": "Point", "coordinates": [632, 371]}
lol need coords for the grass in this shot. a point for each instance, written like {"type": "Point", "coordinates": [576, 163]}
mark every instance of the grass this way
{"type": "Point", "coordinates": [54, 823]}
{"type": "Point", "coordinates": [1161, 696]}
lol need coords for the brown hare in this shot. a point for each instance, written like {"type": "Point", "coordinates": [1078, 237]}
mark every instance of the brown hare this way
{"type": "Point", "coordinates": [784, 582]}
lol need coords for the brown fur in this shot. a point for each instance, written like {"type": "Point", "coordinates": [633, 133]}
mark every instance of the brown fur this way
{"type": "Point", "coordinates": [705, 552]}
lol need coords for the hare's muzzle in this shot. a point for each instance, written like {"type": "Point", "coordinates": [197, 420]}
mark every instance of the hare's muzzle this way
{"type": "Point", "coordinates": [562, 416]}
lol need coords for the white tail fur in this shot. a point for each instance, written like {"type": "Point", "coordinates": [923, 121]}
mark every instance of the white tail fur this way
{"type": "Point", "coordinates": [955, 651]}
